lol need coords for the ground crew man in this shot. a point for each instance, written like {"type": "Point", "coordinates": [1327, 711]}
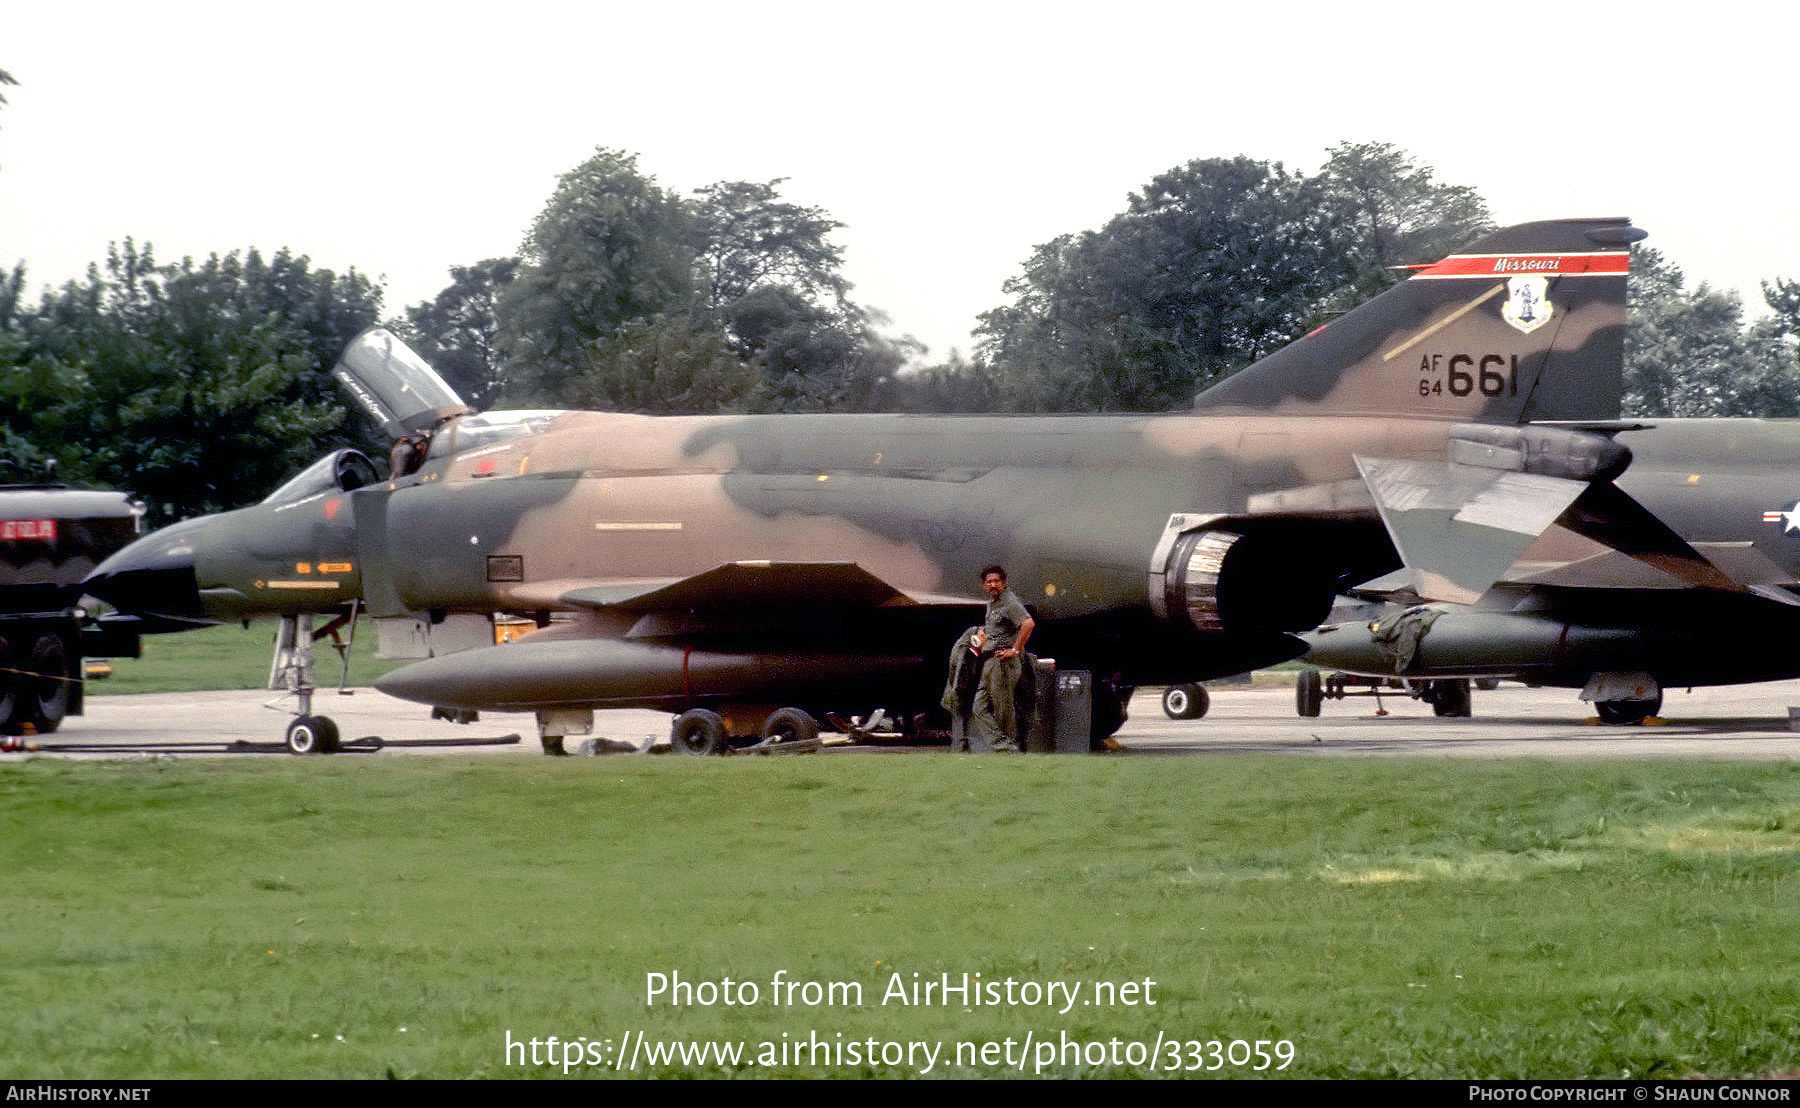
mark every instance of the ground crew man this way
{"type": "Point", "coordinates": [995, 723]}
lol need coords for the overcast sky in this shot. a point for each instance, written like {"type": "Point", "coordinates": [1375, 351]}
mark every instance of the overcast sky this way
{"type": "Point", "coordinates": [401, 138]}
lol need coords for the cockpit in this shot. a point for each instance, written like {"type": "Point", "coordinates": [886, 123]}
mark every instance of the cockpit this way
{"type": "Point", "coordinates": [414, 407]}
{"type": "Point", "coordinates": [473, 432]}
{"type": "Point", "coordinates": [340, 471]}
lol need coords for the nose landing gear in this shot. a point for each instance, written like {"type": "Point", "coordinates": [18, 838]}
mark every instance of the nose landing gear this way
{"type": "Point", "coordinates": [292, 672]}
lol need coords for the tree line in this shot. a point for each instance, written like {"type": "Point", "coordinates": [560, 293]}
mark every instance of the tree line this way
{"type": "Point", "coordinates": [199, 385]}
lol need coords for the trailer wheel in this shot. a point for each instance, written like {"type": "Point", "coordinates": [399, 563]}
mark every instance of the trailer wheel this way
{"type": "Point", "coordinates": [790, 725]}
{"type": "Point", "coordinates": [698, 731]}
{"type": "Point", "coordinates": [1450, 699]}
{"type": "Point", "coordinates": [1185, 701]}
{"type": "Point", "coordinates": [9, 684]}
{"type": "Point", "coordinates": [45, 699]}
{"type": "Point", "coordinates": [1309, 693]}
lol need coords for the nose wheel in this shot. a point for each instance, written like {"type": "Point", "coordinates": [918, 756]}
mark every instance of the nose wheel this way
{"type": "Point", "coordinates": [292, 672]}
{"type": "Point", "coordinates": [312, 735]}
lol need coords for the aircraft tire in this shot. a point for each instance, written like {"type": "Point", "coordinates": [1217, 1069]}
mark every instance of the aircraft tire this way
{"type": "Point", "coordinates": [698, 731]}
{"type": "Point", "coordinates": [9, 684]}
{"type": "Point", "coordinates": [1625, 713]}
{"type": "Point", "coordinates": [1450, 699]}
{"type": "Point", "coordinates": [44, 700]}
{"type": "Point", "coordinates": [1185, 701]}
{"type": "Point", "coordinates": [1111, 702]}
{"type": "Point", "coordinates": [1309, 693]}
{"type": "Point", "coordinates": [789, 725]}
{"type": "Point", "coordinates": [312, 735]}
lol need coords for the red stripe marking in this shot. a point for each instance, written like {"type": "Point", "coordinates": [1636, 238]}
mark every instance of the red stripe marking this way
{"type": "Point", "coordinates": [1612, 264]}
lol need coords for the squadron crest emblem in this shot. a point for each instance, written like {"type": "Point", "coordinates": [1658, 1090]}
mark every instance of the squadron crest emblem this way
{"type": "Point", "coordinates": [1527, 304]}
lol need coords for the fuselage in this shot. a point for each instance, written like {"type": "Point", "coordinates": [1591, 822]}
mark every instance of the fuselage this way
{"type": "Point", "coordinates": [1072, 505]}
{"type": "Point", "coordinates": [519, 518]}
{"type": "Point", "coordinates": [1721, 481]}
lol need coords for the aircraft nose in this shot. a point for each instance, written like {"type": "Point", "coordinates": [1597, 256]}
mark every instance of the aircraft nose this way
{"type": "Point", "coordinates": [153, 578]}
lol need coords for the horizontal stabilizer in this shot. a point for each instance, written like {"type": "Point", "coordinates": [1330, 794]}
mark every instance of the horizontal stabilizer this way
{"type": "Point", "coordinates": [1457, 528]}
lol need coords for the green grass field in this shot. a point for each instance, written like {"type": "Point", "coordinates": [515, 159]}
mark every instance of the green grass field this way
{"type": "Point", "coordinates": [410, 917]}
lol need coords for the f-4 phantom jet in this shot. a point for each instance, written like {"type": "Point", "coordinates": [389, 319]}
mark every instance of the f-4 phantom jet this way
{"type": "Point", "coordinates": [761, 574]}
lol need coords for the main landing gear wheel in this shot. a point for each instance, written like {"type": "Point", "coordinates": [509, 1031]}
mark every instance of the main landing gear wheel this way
{"type": "Point", "coordinates": [1185, 701]}
{"type": "Point", "coordinates": [698, 731]}
{"type": "Point", "coordinates": [1623, 713]}
{"type": "Point", "coordinates": [1450, 699]}
{"type": "Point", "coordinates": [1111, 702]}
{"type": "Point", "coordinates": [312, 735]}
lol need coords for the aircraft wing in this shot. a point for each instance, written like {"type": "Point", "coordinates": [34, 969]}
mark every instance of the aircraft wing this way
{"type": "Point", "coordinates": [1629, 547]}
{"type": "Point", "coordinates": [743, 632]}
{"type": "Point", "coordinates": [735, 585]}
{"type": "Point", "coordinates": [1609, 516]}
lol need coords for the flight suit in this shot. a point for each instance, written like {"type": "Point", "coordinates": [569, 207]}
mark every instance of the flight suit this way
{"type": "Point", "coordinates": [960, 685]}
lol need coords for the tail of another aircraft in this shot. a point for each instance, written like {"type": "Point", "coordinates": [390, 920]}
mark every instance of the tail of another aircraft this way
{"type": "Point", "coordinates": [1526, 324]}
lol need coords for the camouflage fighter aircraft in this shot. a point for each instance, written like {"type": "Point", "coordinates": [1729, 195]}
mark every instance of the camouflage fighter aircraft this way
{"type": "Point", "coordinates": [758, 574]}
{"type": "Point", "coordinates": [1675, 563]}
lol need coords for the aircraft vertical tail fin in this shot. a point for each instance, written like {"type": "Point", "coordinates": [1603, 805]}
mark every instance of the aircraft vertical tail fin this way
{"type": "Point", "coordinates": [1525, 324]}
